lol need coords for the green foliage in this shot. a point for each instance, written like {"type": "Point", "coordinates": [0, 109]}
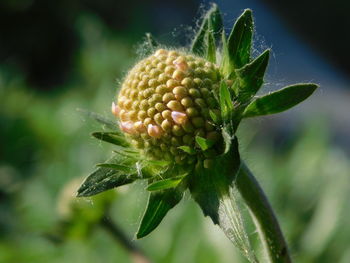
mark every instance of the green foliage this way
{"type": "Point", "coordinates": [159, 204]}
{"type": "Point", "coordinates": [165, 184]}
{"type": "Point", "coordinates": [226, 104]}
{"type": "Point", "coordinates": [251, 77]}
{"type": "Point", "coordinates": [280, 100]}
{"type": "Point", "coordinates": [203, 143]}
{"type": "Point", "coordinates": [108, 176]}
{"type": "Point", "coordinates": [239, 42]}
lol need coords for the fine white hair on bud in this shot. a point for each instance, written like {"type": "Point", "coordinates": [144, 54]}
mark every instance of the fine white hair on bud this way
{"type": "Point", "coordinates": [178, 117]}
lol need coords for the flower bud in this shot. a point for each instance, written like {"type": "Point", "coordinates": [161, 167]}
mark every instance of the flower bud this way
{"type": "Point", "coordinates": [164, 103]}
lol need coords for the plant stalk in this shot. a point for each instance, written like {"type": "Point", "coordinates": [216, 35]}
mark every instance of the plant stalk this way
{"type": "Point", "coordinates": [137, 255]}
{"type": "Point", "coordinates": [263, 216]}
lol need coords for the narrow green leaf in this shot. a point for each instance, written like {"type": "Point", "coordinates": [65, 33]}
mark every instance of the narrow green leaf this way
{"type": "Point", "coordinates": [211, 48]}
{"type": "Point", "coordinates": [159, 204]}
{"type": "Point", "coordinates": [165, 184]}
{"type": "Point", "coordinates": [280, 100]}
{"type": "Point", "coordinates": [251, 76]}
{"type": "Point", "coordinates": [226, 104]}
{"type": "Point", "coordinates": [111, 137]}
{"type": "Point", "coordinates": [187, 149]}
{"type": "Point", "coordinates": [102, 180]}
{"type": "Point", "coordinates": [240, 40]}
{"type": "Point", "coordinates": [225, 60]}
{"type": "Point", "coordinates": [203, 143]}
{"type": "Point", "coordinates": [214, 117]}
{"type": "Point", "coordinates": [118, 167]}
{"type": "Point", "coordinates": [107, 177]}
{"type": "Point", "coordinates": [99, 118]}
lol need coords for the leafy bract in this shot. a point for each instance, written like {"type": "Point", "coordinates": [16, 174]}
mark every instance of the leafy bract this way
{"type": "Point", "coordinates": [280, 100]}
{"type": "Point", "coordinates": [226, 104]}
{"type": "Point", "coordinates": [250, 77]}
{"type": "Point", "coordinates": [203, 143]}
{"type": "Point", "coordinates": [105, 178]}
{"type": "Point", "coordinates": [240, 40]}
{"type": "Point", "coordinates": [165, 184]}
{"type": "Point", "coordinates": [159, 204]}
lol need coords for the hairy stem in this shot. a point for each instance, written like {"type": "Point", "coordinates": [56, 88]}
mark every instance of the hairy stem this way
{"type": "Point", "coordinates": [263, 215]}
{"type": "Point", "coordinates": [136, 254]}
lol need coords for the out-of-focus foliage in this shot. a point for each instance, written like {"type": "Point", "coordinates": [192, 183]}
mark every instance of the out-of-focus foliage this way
{"type": "Point", "coordinates": [45, 143]}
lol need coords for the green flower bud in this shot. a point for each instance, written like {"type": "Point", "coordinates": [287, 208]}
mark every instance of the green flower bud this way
{"type": "Point", "coordinates": [164, 103]}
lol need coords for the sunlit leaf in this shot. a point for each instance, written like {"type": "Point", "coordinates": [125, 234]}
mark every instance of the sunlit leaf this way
{"type": "Point", "coordinates": [226, 104]}
{"type": "Point", "coordinates": [165, 184]}
{"type": "Point", "coordinates": [280, 100]}
{"type": "Point", "coordinates": [203, 143]}
{"type": "Point", "coordinates": [187, 149]}
{"type": "Point", "coordinates": [159, 204]}
{"type": "Point", "coordinates": [240, 40]}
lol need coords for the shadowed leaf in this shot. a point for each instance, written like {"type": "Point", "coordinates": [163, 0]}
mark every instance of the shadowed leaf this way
{"type": "Point", "coordinates": [212, 188]}
{"type": "Point", "coordinates": [250, 78]}
{"type": "Point", "coordinates": [280, 100]}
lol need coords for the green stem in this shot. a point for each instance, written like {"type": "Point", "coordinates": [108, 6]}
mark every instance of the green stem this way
{"type": "Point", "coordinates": [137, 256]}
{"type": "Point", "coordinates": [263, 215]}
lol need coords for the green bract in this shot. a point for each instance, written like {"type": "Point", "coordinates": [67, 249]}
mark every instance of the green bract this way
{"type": "Point", "coordinates": [178, 111]}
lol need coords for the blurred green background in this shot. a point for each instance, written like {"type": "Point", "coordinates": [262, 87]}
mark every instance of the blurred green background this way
{"type": "Point", "coordinates": [57, 56]}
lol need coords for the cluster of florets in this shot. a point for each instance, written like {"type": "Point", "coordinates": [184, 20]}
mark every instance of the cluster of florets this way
{"type": "Point", "coordinates": [164, 102]}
